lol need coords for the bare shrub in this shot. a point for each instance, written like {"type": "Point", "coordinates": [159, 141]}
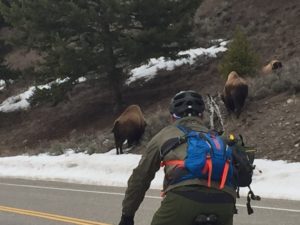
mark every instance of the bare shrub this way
{"type": "Point", "coordinates": [280, 86]}
{"type": "Point", "coordinates": [215, 113]}
{"type": "Point", "coordinates": [97, 142]}
{"type": "Point", "coordinates": [262, 92]}
{"type": "Point", "coordinates": [54, 148]}
{"type": "Point", "coordinates": [94, 142]}
{"type": "Point", "coordinates": [22, 59]}
{"type": "Point", "coordinates": [291, 75]}
{"type": "Point", "coordinates": [104, 142]}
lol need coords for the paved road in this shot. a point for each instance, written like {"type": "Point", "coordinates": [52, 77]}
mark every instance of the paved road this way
{"type": "Point", "coordinates": [24, 202]}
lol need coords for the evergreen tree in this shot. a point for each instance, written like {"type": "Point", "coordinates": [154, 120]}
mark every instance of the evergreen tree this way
{"type": "Point", "coordinates": [239, 57]}
{"type": "Point", "coordinates": [6, 73]}
{"type": "Point", "coordinates": [101, 37]}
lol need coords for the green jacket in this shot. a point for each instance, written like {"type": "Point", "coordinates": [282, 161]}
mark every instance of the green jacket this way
{"type": "Point", "coordinates": [140, 180]}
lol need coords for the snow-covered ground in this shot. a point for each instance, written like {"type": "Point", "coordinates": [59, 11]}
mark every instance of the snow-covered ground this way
{"type": "Point", "coordinates": [20, 101]}
{"type": "Point", "coordinates": [278, 179]}
{"type": "Point", "coordinates": [149, 70]}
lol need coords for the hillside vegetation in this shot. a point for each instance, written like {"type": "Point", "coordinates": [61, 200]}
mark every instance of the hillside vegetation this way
{"type": "Point", "coordinates": [270, 120]}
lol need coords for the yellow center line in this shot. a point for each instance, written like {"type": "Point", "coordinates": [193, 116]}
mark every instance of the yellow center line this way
{"type": "Point", "coordinates": [50, 216]}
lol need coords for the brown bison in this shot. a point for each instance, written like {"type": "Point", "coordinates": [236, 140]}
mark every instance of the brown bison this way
{"type": "Point", "coordinates": [130, 126]}
{"type": "Point", "coordinates": [271, 67]}
{"type": "Point", "coordinates": [235, 93]}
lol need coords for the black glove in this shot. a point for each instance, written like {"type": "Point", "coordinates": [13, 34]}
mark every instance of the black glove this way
{"type": "Point", "coordinates": [126, 220]}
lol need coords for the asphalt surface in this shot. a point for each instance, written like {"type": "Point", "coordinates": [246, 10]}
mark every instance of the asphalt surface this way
{"type": "Point", "coordinates": [26, 202]}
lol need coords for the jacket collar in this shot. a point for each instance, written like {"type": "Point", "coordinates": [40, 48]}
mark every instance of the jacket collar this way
{"type": "Point", "coordinates": [192, 122]}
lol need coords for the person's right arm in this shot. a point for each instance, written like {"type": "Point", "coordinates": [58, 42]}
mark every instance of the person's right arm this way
{"type": "Point", "coordinates": [140, 180]}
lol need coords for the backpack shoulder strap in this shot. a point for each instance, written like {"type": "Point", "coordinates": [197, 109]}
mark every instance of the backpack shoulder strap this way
{"type": "Point", "coordinates": [187, 130]}
{"type": "Point", "coordinates": [173, 142]}
{"type": "Point", "coordinates": [184, 129]}
{"type": "Point", "coordinates": [170, 145]}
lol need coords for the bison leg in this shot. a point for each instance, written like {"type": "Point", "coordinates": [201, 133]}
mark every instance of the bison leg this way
{"type": "Point", "coordinates": [118, 143]}
{"type": "Point", "coordinates": [121, 149]}
{"type": "Point", "coordinates": [118, 148]}
{"type": "Point", "coordinates": [229, 103]}
{"type": "Point", "coordinates": [135, 139]}
{"type": "Point", "coordinates": [238, 113]}
{"type": "Point", "coordinates": [239, 104]}
{"type": "Point", "coordinates": [129, 143]}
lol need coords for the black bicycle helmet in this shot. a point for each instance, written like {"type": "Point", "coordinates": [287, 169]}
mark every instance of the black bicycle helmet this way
{"type": "Point", "coordinates": [187, 103]}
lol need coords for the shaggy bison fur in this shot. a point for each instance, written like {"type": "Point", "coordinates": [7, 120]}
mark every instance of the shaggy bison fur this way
{"type": "Point", "coordinates": [235, 93]}
{"type": "Point", "coordinates": [272, 66]}
{"type": "Point", "coordinates": [130, 126]}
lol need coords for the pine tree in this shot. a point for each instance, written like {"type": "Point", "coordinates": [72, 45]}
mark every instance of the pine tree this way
{"type": "Point", "coordinates": [239, 57]}
{"type": "Point", "coordinates": [6, 73]}
{"type": "Point", "coordinates": [101, 37]}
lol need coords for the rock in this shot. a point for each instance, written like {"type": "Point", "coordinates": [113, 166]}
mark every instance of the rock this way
{"type": "Point", "coordinates": [289, 101]}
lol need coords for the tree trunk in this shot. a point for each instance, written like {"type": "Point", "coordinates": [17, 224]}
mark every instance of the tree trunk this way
{"type": "Point", "coordinates": [114, 75]}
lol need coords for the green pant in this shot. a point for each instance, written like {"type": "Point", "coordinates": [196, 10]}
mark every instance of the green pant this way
{"type": "Point", "coordinates": [182, 205]}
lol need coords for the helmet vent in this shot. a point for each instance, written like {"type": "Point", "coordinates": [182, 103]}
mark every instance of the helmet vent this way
{"type": "Point", "coordinates": [187, 103]}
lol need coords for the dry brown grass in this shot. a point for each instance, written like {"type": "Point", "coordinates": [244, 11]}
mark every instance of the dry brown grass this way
{"type": "Point", "coordinates": [22, 59]}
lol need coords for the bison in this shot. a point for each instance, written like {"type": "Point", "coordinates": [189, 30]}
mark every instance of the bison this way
{"type": "Point", "coordinates": [272, 66]}
{"type": "Point", "coordinates": [235, 93]}
{"type": "Point", "coordinates": [130, 126]}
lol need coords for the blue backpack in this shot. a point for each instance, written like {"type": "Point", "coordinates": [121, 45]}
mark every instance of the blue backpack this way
{"type": "Point", "coordinates": [207, 157]}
